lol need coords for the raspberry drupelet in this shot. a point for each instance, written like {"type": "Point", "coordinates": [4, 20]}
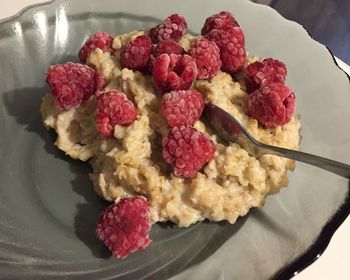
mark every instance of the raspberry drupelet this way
{"type": "Point", "coordinates": [207, 56]}
{"type": "Point", "coordinates": [124, 226]}
{"type": "Point", "coordinates": [174, 72]}
{"type": "Point", "coordinates": [231, 43]}
{"type": "Point", "coordinates": [272, 105]}
{"type": "Point", "coordinates": [136, 53]}
{"type": "Point", "coordinates": [72, 83]}
{"type": "Point", "coordinates": [183, 107]}
{"type": "Point", "coordinates": [187, 150]}
{"type": "Point", "coordinates": [101, 40]}
{"type": "Point", "coordinates": [173, 27]}
{"type": "Point", "coordinates": [168, 46]}
{"type": "Point", "coordinates": [113, 108]}
{"type": "Point", "coordinates": [269, 70]}
{"type": "Point", "coordinates": [219, 21]}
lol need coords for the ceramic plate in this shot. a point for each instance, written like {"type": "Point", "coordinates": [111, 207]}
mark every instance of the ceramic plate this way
{"type": "Point", "coordinates": [48, 209]}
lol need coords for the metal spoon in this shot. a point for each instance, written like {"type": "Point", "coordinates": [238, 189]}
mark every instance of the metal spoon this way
{"type": "Point", "coordinates": [230, 129]}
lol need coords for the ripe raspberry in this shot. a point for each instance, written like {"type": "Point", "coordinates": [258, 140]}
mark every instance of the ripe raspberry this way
{"type": "Point", "coordinates": [101, 40]}
{"type": "Point", "coordinates": [113, 108]}
{"type": "Point", "coordinates": [173, 27]}
{"type": "Point", "coordinates": [187, 150]}
{"type": "Point", "coordinates": [174, 72]}
{"type": "Point", "coordinates": [272, 105]}
{"type": "Point", "coordinates": [165, 46]}
{"type": "Point", "coordinates": [219, 21]}
{"type": "Point", "coordinates": [207, 56]}
{"type": "Point", "coordinates": [182, 107]}
{"type": "Point", "coordinates": [136, 53]}
{"type": "Point", "coordinates": [71, 84]}
{"type": "Point", "coordinates": [124, 226]}
{"type": "Point", "coordinates": [259, 73]}
{"type": "Point", "coordinates": [231, 44]}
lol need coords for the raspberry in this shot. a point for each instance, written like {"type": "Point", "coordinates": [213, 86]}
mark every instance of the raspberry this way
{"type": "Point", "coordinates": [259, 73]}
{"type": "Point", "coordinates": [174, 72]}
{"type": "Point", "coordinates": [173, 27]}
{"type": "Point", "coordinates": [231, 44]}
{"type": "Point", "coordinates": [101, 40]}
{"type": "Point", "coordinates": [219, 21]}
{"type": "Point", "coordinates": [165, 46]}
{"type": "Point", "coordinates": [207, 56]}
{"type": "Point", "coordinates": [124, 226]}
{"type": "Point", "coordinates": [182, 107]}
{"type": "Point", "coordinates": [187, 150]}
{"type": "Point", "coordinates": [113, 108]}
{"type": "Point", "coordinates": [136, 53]}
{"type": "Point", "coordinates": [272, 105]}
{"type": "Point", "coordinates": [71, 84]}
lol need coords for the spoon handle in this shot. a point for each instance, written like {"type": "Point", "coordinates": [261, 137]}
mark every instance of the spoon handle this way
{"type": "Point", "coordinates": [336, 167]}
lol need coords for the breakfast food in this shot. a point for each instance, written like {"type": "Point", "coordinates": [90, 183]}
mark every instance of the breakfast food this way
{"type": "Point", "coordinates": [134, 111]}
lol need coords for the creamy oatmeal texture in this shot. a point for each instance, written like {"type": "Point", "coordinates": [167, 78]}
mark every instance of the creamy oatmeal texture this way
{"type": "Point", "coordinates": [131, 162]}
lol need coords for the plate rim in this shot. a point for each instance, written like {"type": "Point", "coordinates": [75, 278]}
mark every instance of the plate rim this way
{"type": "Point", "coordinates": [323, 239]}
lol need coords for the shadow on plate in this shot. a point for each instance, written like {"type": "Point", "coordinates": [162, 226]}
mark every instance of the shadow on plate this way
{"type": "Point", "coordinates": [23, 104]}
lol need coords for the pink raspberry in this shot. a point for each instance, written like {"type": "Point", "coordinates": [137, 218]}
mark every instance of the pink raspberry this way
{"type": "Point", "coordinates": [174, 72]}
{"type": "Point", "coordinates": [113, 108]}
{"type": "Point", "coordinates": [71, 84]}
{"type": "Point", "coordinates": [207, 56]}
{"type": "Point", "coordinates": [101, 40]}
{"type": "Point", "coordinates": [219, 21]}
{"type": "Point", "coordinates": [187, 150]}
{"type": "Point", "coordinates": [272, 105]}
{"type": "Point", "coordinates": [182, 107]}
{"type": "Point", "coordinates": [165, 46]}
{"type": "Point", "coordinates": [259, 73]}
{"type": "Point", "coordinates": [124, 227]}
{"type": "Point", "coordinates": [136, 53]}
{"type": "Point", "coordinates": [231, 44]}
{"type": "Point", "coordinates": [173, 27]}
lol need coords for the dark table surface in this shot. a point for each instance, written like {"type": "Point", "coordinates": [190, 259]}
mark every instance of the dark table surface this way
{"type": "Point", "coordinates": [328, 21]}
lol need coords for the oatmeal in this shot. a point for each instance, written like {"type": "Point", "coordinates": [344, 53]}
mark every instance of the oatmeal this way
{"type": "Point", "coordinates": [130, 163]}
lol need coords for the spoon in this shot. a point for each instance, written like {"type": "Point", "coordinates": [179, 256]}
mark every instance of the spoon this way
{"type": "Point", "coordinates": [230, 129]}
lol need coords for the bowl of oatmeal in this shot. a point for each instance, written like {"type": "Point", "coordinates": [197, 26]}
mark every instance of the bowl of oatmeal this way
{"type": "Point", "coordinates": [128, 163]}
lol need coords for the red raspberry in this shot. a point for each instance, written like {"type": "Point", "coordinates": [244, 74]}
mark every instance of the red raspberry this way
{"type": "Point", "coordinates": [136, 53]}
{"type": "Point", "coordinates": [182, 107]}
{"type": "Point", "coordinates": [219, 21]}
{"type": "Point", "coordinates": [165, 46]}
{"type": "Point", "coordinates": [187, 150]}
{"type": "Point", "coordinates": [207, 56]}
{"type": "Point", "coordinates": [173, 27]}
{"type": "Point", "coordinates": [71, 84]}
{"type": "Point", "coordinates": [124, 226]}
{"type": "Point", "coordinates": [259, 73]}
{"type": "Point", "coordinates": [174, 72]}
{"type": "Point", "coordinates": [101, 40]}
{"type": "Point", "coordinates": [113, 108]}
{"type": "Point", "coordinates": [231, 44]}
{"type": "Point", "coordinates": [272, 105]}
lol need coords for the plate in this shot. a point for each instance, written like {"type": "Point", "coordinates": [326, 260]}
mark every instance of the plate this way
{"type": "Point", "coordinates": [47, 205]}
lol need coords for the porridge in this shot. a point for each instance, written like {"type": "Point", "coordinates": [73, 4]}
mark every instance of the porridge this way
{"type": "Point", "coordinates": [128, 160]}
